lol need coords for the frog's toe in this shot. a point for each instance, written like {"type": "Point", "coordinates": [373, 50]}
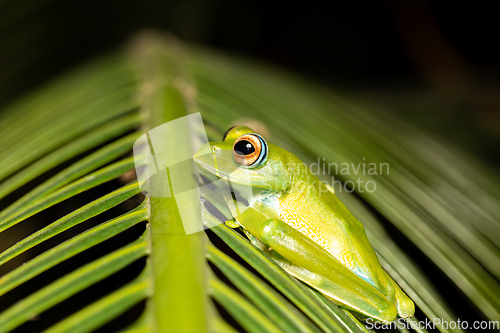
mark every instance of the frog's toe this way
{"type": "Point", "coordinates": [406, 307]}
{"type": "Point", "coordinates": [386, 315]}
{"type": "Point", "coordinates": [406, 314]}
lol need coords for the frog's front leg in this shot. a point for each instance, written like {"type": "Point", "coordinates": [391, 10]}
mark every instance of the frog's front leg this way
{"type": "Point", "coordinates": [314, 265]}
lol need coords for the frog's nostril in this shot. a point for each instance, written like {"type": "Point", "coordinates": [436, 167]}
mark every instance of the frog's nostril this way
{"type": "Point", "coordinates": [215, 149]}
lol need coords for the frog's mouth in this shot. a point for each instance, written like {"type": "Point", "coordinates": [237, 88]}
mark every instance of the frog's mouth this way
{"type": "Point", "coordinates": [238, 175]}
{"type": "Point", "coordinates": [211, 171]}
{"type": "Point", "coordinates": [220, 163]}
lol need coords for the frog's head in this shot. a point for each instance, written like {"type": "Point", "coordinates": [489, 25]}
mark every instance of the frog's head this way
{"type": "Point", "coordinates": [244, 157]}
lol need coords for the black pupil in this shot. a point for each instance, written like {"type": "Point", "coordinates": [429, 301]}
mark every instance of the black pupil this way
{"type": "Point", "coordinates": [243, 148]}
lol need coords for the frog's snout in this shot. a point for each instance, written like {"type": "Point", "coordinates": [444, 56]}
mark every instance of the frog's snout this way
{"type": "Point", "coordinates": [204, 154]}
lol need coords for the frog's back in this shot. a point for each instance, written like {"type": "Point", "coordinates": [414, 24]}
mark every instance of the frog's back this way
{"type": "Point", "coordinates": [312, 208]}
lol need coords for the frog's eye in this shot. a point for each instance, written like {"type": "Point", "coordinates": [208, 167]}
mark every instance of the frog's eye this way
{"type": "Point", "coordinates": [250, 150]}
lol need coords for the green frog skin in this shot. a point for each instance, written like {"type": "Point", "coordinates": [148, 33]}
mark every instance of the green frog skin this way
{"type": "Point", "coordinates": [302, 225]}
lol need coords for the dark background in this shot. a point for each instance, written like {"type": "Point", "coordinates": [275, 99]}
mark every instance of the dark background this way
{"type": "Point", "coordinates": [436, 63]}
{"type": "Point", "coordinates": [338, 41]}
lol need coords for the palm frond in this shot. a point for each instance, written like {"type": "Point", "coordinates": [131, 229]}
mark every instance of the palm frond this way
{"type": "Point", "coordinates": [67, 149]}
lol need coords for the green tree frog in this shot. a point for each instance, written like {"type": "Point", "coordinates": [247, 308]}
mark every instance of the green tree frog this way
{"type": "Point", "coordinates": [300, 222]}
